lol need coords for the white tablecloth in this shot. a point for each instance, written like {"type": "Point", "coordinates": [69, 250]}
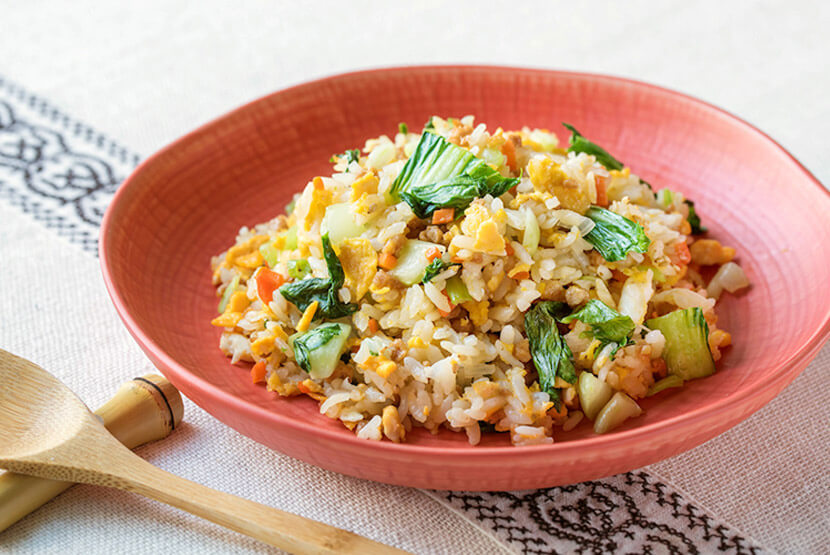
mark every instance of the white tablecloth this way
{"type": "Point", "coordinates": [145, 74]}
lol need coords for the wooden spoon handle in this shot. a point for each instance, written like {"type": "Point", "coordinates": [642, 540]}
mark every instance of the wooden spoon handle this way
{"type": "Point", "coordinates": [287, 531]}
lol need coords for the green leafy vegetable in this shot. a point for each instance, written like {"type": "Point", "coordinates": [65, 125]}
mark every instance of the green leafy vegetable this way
{"type": "Point", "coordinates": [686, 352]}
{"type": "Point", "coordinates": [551, 355]}
{"type": "Point", "coordinates": [615, 236]}
{"type": "Point", "coordinates": [324, 291]}
{"type": "Point", "coordinates": [607, 325]}
{"type": "Point", "coordinates": [440, 174]}
{"type": "Point", "coordinates": [229, 290]}
{"type": "Point", "coordinates": [694, 219]}
{"type": "Point", "coordinates": [349, 156]}
{"type": "Point", "coordinates": [457, 291]}
{"type": "Point", "coordinates": [669, 381]}
{"type": "Point", "coordinates": [319, 350]}
{"type": "Point", "coordinates": [429, 126]}
{"type": "Point", "coordinates": [403, 128]}
{"type": "Point", "coordinates": [434, 268]}
{"type": "Point", "coordinates": [578, 143]}
{"type": "Point", "coordinates": [298, 269]}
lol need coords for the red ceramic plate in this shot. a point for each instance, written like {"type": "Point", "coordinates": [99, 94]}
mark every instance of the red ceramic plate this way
{"type": "Point", "coordinates": [187, 202]}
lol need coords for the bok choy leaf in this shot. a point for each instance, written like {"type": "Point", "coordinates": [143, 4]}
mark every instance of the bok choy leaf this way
{"type": "Point", "coordinates": [578, 143]}
{"type": "Point", "coordinates": [324, 291]}
{"type": "Point", "coordinates": [607, 325]}
{"type": "Point", "coordinates": [551, 355]}
{"type": "Point", "coordinates": [440, 174]}
{"type": "Point", "coordinates": [615, 236]}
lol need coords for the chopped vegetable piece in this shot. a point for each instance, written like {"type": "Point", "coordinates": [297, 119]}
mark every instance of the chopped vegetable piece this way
{"type": "Point", "coordinates": [289, 238]}
{"type": "Point", "coordinates": [694, 219]}
{"type": "Point", "coordinates": [298, 269]}
{"type": "Point", "coordinates": [530, 241]}
{"type": "Point", "coordinates": [373, 326]}
{"type": "Point", "coordinates": [620, 408]}
{"type": "Point", "coordinates": [593, 394]}
{"type": "Point", "coordinates": [443, 216]}
{"type": "Point", "coordinates": [258, 372]}
{"type": "Point", "coordinates": [403, 129]}
{"type": "Point", "coordinates": [551, 355]}
{"type": "Point", "coordinates": [509, 151]}
{"type": "Point", "coordinates": [434, 268]}
{"type": "Point", "coordinates": [615, 236]}
{"type": "Point", "coordinates": [318, 350]}
{"type": "Point", "coordinates": [607, 325]}
{"type": "Point", "coordinates": [681, 249]}
{"type": "Point", "coordinates": [349, 156]}
{"type": "Point", "coordinates": [578, 143]}
{"type": "Point", "coordinates": [428, 126]}
{"type": "Point", "coordinates": [226, 296]}
{"type": "Point", "coordinates": [339, 222]}
{"type": "Point", "coordinates": [267, 282]}
{"type": "Point", "coordinates": [686, 353]}
{"type": "Point", "coordinates": [270, 253]}
{"type": "Point", "coordinates": [457, 291]}
{"type": "Point", "coordinates": [666, 383]}
{"type": "Point", "coordinates": [440, 174]}
{"type": "Point", "coordinates": [664, 197]}
{"type": "Point", "coordinates": [325, 291]}
{"type": "Point", "coordinates": [433, 253]}
{"type": "Point", "coordinates": [411, 264]}
{"type": "Point", "coordinates": [731, 277]}
{"type": "Point", "coordinates": [387, 261]}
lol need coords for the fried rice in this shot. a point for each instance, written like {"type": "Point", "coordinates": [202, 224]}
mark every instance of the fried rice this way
{"type": "Point", "coordinates": [397, 304]}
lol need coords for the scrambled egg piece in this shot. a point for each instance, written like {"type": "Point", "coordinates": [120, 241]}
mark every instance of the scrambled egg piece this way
{"type": "Point", "coordinates": [486, 228]}
{"type": "Point", "coordinates": [548, 176]}
{"type": "Point", "coordinates": [237, 304]}
{"type": "Point", "coordinates": [367, 184]}
{"type": "Point", "coordinates": [321, 198]}
{"type": "Point", "coordinates": [381, 365]}
{"type": "Point", "coordinates": [478, 310]}
{"type": "Point", "coordinates": [360, 264]}
{"type": "Point", "coordinates": [245, 256]}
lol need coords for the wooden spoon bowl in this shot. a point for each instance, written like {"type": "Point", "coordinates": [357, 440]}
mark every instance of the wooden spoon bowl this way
{"type": "Point", "coordinates": [46, 431]}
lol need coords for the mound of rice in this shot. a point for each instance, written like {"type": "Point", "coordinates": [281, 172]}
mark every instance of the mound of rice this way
{"type": "Point", "coordinates": [413, 357]}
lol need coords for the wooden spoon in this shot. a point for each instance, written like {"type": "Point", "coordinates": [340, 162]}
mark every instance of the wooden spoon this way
{"type": "Point", "coordinates": [46, 431]}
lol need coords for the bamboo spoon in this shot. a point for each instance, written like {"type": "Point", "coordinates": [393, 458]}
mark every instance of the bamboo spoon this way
{"type": "Point", "coordinates": [144, 409]}
{"type": "Point", "coordinates": [46, 431]}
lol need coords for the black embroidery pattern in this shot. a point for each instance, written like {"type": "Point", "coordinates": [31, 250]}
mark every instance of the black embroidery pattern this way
{"type": "Point", "coordinates": [59, 171]}
{"type": "Point", "coordinates": [627, 513]}
{"type": "Point", "coordinates": [63, 174]}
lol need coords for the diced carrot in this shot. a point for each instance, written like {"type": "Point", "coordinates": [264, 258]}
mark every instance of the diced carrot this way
{"type": "Point", "coordinates": [373, 325]}
{"type": "Point", "coordinates": [443, 313]}
{"type": "Point", "coordinates": [618, 275]}
{"type": "Point", "coordinates": [443, 216]}
{"type": "Point", "coordinates": [602, 193]}
{"type": "Point", "coordinates": [509, 151]}
{"type": "Point", "coordinates": [509, 249]}
{"type": "Point", "coordinates": [258, 372]}
{"type": "Point", "coordinates": [683, 254]}
{"type": "Point", "coordinates": [318, 183]}
{"type": "Point", "coordinates": [521, 275]}
{"type": "Point", "coordinates": [433, 253]}
{"type": "Point", "coordinates": [387, 261]}
{"type": "Point", "coordinates": [267, 281]}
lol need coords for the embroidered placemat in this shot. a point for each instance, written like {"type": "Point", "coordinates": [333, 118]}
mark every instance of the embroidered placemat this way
{"type": "Point", "coordinates": [62, 174]}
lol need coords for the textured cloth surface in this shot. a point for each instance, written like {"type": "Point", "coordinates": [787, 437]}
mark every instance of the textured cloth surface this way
{"type": "Point", "coordinates": [149, 75]}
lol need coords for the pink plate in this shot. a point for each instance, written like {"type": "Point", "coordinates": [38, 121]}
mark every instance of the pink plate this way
{"type": "Point", "coordinates": [187, 202]}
